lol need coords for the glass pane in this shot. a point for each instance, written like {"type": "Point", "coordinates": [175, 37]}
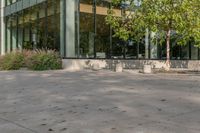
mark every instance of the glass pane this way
{"type": "Point", "coordinates": [118, 47]}
{"type": "Point", "coordinates": [185, 52]}
{"type": "Point", "coordinates": [141, 54]}
{"type": "Point", "coordinates": [176, 51]}
{"type": "Point", "coordinates": [14, 32]}
{"type": "Point", "coordinates": [131, 50]}
{"type": "Point", "coordinates": [33, 26]}
{"type": "Point", "coordinates": [20, 30]}
{"type": "Point", "coordinates": [41, 31]}
{"type": "Point", "coordinates": [8, 34]}
{"type": "Point", "coordinates": [86, 49]}
{"type": "Point", "coordinates": [53, 24]}
{"type": "Point", "coordinates": [102, 37]}
{"type": "Point", "coordinates": [194, 52]}
{"type": "Point", "coordinates": [162, 50]}
{"type": "Point", "coordinates": [27, 39]}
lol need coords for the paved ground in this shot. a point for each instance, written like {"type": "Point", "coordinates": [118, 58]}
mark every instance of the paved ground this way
{"type": "Point", "coordinates": [98, 102]}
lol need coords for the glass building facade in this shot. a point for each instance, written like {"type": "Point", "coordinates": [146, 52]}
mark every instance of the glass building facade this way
{"type": "Point", "coordinates": [77, 29]}
{"type": "Point", "coordinates": [37, 26]}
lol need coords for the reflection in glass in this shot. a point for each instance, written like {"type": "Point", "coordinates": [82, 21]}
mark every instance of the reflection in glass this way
{"type": "Point", "coordinates": [175, 50]}
{"type": "Point", "coordinates": [14, 32]}
{"type": "Point", "coordinates": [118, 47]}
{"type": "Point", "coordinates": [35, 27]}
{"type": "Point", "coordinates": [8, 34]}
{"type": "Point", "coordinates": [185, 52]}
{"type": "Point", "coordinates": [131, 50]}
{"type": "Point", "coordinates": [86, 29]}
{"type": "Point", "coordinates": [102, 36]}
{"type": "Point", "coordinates": [194, 50]}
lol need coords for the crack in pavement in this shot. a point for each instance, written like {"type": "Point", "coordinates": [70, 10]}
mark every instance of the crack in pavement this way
{"type": "Point", "coordinates": [19, 125]}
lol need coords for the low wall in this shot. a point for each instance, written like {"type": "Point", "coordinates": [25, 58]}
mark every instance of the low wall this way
{"type": "Point", "coordinates": [79, 64]}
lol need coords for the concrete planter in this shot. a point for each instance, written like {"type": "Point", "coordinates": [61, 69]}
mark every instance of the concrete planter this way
{"type": "Point", "coordinates": [96, 67]}
{"type": "Point", "coordinates": [147, 69]}
{"type": "Point", "coordinates": [119, 67]}
{"type": "Point", "coordinates": [80, 64]}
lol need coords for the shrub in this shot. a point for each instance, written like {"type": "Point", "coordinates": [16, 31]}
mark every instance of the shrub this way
{"type": "Point", "coordinates": [12, 61]}
{"type": "Point", "coordinates": [33, 60]}
{"type": "Point", "coordinates": [43, 60]}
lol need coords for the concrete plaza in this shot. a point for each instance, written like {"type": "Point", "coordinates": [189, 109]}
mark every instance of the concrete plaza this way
{"type": "Point", "coordinates": [98, 102]}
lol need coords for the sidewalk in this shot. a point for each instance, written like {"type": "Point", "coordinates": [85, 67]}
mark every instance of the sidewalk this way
{"type": "Point", "coordinates": [98, 102]}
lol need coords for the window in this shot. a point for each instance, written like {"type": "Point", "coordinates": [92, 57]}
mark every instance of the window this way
{"type": "Point", "coordinates": [86, 34]}
{"type": "Point", "coordinates": [35, 27]}
{"type": "Point", "coordinates": [9, 2]}
{"type": "Point", "coordinates": [102, 30]}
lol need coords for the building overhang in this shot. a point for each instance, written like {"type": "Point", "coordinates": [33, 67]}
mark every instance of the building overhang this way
{"type": "Point", "coordinates": [20, 5]}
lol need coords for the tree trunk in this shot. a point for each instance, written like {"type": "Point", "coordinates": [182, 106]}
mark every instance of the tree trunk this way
{"type": "Point", "coordinates": [168, 50]}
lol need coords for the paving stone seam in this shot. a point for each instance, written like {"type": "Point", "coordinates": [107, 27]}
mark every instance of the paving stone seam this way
{"type": "Point", "coordinates": [18, 125]}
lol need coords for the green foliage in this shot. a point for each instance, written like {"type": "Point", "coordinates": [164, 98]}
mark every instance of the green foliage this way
{"type": "Point", "coordinates": [160, 16]}
{"type": "Point", "coordinates": [12, 61]}
{"type": "Point", "coordinates": [43, 60]}
{"type": "Point", "coordinates": [34, 60]}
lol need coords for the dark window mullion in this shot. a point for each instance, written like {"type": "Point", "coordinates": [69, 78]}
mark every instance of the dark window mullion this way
{"type": "Point", "coordinates": [54, 23]}
{"type": "Point", "coordinates": [65, 22]}
{"type": "Point", "coordinates": [11, 31]}
{"type": "Point", "coordinates": [94, 23]}
{"type": "Point", "coordinates": [6, 35]}
{"type": "Point", "coordinates": [23, 30]}
{"type": "Point", "coordinates": [149, 45]}
{"type": "Point", "coordinates": [190, 50]}
{"type": "Point", "coordinates": [17, 26]}
{"type": "Point", "coordinates": [30, 30]}
{"type": "Point", "coordinates": [46, 24]}
{"type": "Point", "coordinates": [37, 28]}
{"type": "Point", "coordinates": [78, 29]}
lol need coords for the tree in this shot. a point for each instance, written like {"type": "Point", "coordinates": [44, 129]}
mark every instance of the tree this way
{"type": "Point", "coordinates": [164, 17]}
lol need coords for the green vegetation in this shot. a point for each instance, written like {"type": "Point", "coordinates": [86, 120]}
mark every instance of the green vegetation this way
{"type": "Point", "coordinates": [34, 60]}
{"type": "Point", "coordinates": [12, 61]}
{"type": "Point", "coordinates": [165, 18]}
{"type": "Point", "coordinates": [44, 60]}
